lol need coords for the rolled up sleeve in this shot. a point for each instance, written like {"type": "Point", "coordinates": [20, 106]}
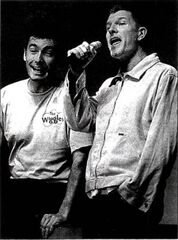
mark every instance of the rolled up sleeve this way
{"type": "Point", "coordinates": [80, 140]}
{"type": "Point", "coordinates": [80, 112]}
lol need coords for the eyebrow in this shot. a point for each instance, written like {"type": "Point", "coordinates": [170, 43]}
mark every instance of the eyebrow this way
{"type": "Point", "coordinates": [46, 47]}
{"type": "Point", "coordinates": [119, 18]}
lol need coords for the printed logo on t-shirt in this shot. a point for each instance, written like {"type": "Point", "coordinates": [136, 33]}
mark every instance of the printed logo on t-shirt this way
{"type": "Point", "coordinates": [51, 118]}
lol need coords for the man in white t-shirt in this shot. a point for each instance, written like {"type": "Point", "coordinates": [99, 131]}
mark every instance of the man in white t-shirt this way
{"type": "Point", "coordinates": [46, 159]}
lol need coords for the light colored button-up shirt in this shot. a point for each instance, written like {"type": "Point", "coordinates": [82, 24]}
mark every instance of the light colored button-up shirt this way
{"type": "Point", "coordinates": [136, 129]}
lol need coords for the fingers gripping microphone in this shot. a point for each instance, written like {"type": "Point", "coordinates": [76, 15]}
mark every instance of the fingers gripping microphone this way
{"type": "Point", "coordinates": [72, 57]}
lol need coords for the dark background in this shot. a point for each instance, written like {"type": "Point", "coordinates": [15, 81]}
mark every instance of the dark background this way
{"type": "Point", "coordinates": [85, 20]}
{"type": "Point", "coordinates": [79, 21]}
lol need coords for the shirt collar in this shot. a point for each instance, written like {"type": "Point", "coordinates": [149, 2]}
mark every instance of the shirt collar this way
{"type": "Point", "coordinates": [115, 79]}
{"type": "Point", "coordinates": [138, 71]}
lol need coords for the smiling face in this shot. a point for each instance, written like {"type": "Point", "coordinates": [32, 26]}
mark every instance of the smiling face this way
{"type": "Point", "coordinates": [122, 34]}
{"type": "Point", "coordinates": [40, 58]}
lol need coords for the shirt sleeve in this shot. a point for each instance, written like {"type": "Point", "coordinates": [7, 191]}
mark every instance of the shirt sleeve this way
{"type": "Point", "coordinates": [80, 112]}
{"type": "Point", "coordinates": [159, 148]}
{"type": "Point", "coordinates": [80, 140]}
{"type": "Point", "coordinates": [1, 126]}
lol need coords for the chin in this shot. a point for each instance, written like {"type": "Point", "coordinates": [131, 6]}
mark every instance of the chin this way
{"type": "Point", "coordinates": [38, 77]}
{"type": "Point", "coordinates": [119, 56]}
{"type": "Point", "coordinates": [116, 55]}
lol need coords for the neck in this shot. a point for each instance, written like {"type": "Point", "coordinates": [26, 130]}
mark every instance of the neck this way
{"type": "Point", "coordinates": [128, 65]}
{"type": "Point", "coordinates": [38, 87]}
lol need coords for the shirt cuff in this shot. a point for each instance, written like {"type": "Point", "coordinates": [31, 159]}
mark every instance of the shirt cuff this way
{"type": "Point", "coordinates": [80, 83]}
{"type": "Point", "coordinates": [80, 140]}
{"type": "Point", "coordinates": [134, 199]}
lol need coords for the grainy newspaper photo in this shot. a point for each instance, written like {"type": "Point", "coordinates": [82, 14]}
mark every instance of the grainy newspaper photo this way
{"type": "Point", "coordinates": [88, 119]}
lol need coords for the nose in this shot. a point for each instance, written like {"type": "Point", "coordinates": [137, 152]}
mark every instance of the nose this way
{"type": "Point", "coordinates": [112, 29]}
{"type": "Point", "coordinates": [39, 57]}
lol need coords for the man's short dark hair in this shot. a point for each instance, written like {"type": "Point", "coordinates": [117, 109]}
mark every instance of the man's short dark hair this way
{"type": "Point", "coordinates": [137, 9]}
{"type": "Point", "coordinates": [40, 24]}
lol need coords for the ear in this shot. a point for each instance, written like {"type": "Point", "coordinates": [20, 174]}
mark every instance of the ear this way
{"type": "Point", "coordinates": [142, 31]}
{"type": "Point", "coordinates": [24, 55]}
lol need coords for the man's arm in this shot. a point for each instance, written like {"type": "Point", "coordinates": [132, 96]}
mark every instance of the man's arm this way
{"type": "Point", "coordinates": [50, 221]}
{"type": "Point", "coordinates": [160, 146]}
{"type": "Point", "coordinates": [80, 109]}
{"type": "Point", "coordinates": [80, 57]}
{"type": "Point", "coordinates": [4, 152]}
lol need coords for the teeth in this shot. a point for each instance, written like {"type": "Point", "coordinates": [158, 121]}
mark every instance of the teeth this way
{"type": "Point", "coordinates": [37, 69]}
{"type": "Point", "coordinates": [115, 41]}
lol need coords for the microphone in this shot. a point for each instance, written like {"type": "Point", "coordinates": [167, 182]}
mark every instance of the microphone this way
{"type": "Point", "coordinates": [71, 58]}
{"type": "Point", "coordinates": [96, 44]}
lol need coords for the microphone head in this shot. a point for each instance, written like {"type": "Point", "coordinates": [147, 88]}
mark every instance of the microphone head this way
{"type": "Point", "coordinates": [96, 44]}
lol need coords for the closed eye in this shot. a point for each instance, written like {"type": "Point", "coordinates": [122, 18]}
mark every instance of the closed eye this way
{"type": "Point", "coordinates": [33, 49]}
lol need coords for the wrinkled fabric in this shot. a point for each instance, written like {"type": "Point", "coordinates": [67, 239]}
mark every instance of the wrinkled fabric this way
{"type": "Point", "coordinates": [35, 128]}
{"type": "Point", "coordinates": [136, 129]}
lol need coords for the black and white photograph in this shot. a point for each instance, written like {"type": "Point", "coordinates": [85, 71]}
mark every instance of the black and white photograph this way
{"type": "Point", "coordinates": [88, 119]}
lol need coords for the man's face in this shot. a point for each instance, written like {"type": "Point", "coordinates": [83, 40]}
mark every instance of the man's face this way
{"type": "Point", "coordinates": [121, 34]}
{"type": "Point", "coordinates": [40, 58]}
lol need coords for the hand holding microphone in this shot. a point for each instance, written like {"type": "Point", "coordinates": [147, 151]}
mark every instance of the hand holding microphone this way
{"type": "Point", "coordinates": [80, 56]}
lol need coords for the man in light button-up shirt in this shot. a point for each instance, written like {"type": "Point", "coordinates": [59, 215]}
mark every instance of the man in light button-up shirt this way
{"type": "Point", "coordinates": [135, 119]}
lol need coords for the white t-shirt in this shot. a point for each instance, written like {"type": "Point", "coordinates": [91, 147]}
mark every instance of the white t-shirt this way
{"type": "Point", "coordinates": [37, 134]}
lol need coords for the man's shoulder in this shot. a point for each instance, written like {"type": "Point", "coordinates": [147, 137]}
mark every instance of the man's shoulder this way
{"type": "Point", "coordinates": [15, 85]}
{"type": "Point", "coordinates": [167, 68]}
{"type": "Point", "coordinates": [13, 89]}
